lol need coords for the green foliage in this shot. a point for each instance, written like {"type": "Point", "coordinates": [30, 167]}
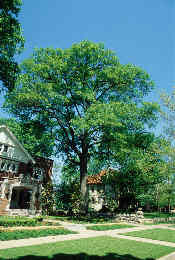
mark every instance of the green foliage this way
{"type": "Point", "coordinates": [11, 41]}
{"type": "Point", "coordinates": [47, 199]}
{"type": "Point", "coordinates": [88, 100]}
{"type": "Point", "coordinates": [111, 201]}
{"type": "Point", "coordinates": [166, 194]}
{"type": "Point", "coordinates": [15, 222]}
{"type": "Point", "coordinates": [155, 234]}
{"type": "Point", "coordinates": [157, 215]}
{"type": "Point", "coordinates": [168, 114]}
{"type": "Point", "coordinates": [141, 168]}
{"type": "Point", "coordinates": [34, 137]}
{"type": "Point", "coordinates": [68, 197]}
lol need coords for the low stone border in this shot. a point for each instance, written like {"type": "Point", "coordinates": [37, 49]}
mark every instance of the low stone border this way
{"type": "Point", "coordinates": [163, 220]}
{"type": "Point", "coordinates": [137, 217]}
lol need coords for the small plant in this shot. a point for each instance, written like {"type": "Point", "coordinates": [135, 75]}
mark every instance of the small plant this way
{"type": "Point", "coordinates": [39, 219]}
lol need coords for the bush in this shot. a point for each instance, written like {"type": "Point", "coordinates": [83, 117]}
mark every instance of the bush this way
{"type": "Point", "coordinates": [21, 221]}
{"type": "Point", "coordinates": [18, 222]}
{"type": "Point", "coordinates": [47, 199]}
{"type": "Point", "coordinates": [68, 198]}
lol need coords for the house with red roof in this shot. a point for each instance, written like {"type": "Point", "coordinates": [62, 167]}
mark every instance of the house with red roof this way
{"type": "Point", "coordinates": [99, 191]}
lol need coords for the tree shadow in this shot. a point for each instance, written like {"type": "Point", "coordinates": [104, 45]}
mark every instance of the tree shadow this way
{"type": "Point", "coordinates": [81, 256]}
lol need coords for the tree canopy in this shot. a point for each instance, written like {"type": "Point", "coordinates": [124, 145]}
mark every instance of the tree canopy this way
{"type": "Point", "coordinates": [88, 100]}
{"type": "Point", "coordinates": [11, 41]}
{"type": "Point", "coordinates": [142, 167]}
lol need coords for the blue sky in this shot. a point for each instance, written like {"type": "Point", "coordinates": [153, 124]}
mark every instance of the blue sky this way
{"type": "Point", "coordinates": [139, 31]}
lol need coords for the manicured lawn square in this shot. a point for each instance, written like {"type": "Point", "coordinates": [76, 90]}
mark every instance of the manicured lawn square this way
{"type": "Point", "coordinates": [98, 248]}
{"type": "Point", "coordinates": [155, 234]}
{"type": "Point", "coordinates": [21, 234]}
{"type": "Point", "coordinates": [108, 227]}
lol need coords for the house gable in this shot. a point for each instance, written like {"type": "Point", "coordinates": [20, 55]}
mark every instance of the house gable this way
{"type": "Point", "coordinates": [21, 177]}
{"type": "Point", "coordinates": [11, 148]}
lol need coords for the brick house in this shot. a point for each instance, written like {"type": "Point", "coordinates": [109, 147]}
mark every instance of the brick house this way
{"type": "Point", "coordinates": [21, 176]}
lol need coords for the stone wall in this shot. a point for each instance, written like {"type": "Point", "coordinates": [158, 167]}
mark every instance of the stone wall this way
{"type": "Point", "coordinates": [137, 217]}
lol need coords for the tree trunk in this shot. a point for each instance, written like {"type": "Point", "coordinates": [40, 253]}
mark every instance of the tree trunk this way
{"type": "Point", "coordinates": [83, 184]}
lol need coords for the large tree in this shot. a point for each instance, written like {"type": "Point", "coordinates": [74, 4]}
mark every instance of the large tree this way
{"type": "Point", "coordinates": [168, 123]}
{"type": "Point", "coordinates": [168, 114]}
{"type": "Point", "coordinates": [83, 94]}
{"type": "Point", "coordinates": [11, 41]}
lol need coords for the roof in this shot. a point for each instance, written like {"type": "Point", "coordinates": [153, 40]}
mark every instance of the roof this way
{"type": "Point", "coordinates": [96, 178]}
{"type": "Point", "coordinates": [17, 142]}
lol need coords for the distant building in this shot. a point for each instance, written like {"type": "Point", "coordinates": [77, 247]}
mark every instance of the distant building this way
{"type": "Point", "coordinates": [98, 191]}
{"type": "Point", "coordinates": [21, 176]}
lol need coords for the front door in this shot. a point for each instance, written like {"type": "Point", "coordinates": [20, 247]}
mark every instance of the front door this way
{"type": "Point", "coordinates": [20, 198]}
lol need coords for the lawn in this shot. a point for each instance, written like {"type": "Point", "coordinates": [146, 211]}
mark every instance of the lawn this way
{"type": "Point", "coordinates": [21, 234]}
{"type": "Point", "coordinates": [82, 219]}
{"type": "Point", "coordinates": [153, 215]}
{"type": "Point", "coordinates": [155, 234]}
{"type": "Point", "coordinates": [108, 227]}
{"type": "Point", "coordinates": [99, 248]}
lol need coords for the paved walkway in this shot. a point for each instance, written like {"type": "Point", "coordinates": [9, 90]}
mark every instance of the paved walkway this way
{"type": "Point", "coordinates": [84, 233]}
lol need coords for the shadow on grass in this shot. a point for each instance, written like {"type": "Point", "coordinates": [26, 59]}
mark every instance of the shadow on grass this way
{"type": "Point", "coordinates": [81, 256]}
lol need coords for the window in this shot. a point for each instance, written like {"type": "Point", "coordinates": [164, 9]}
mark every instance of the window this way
{"type": "Point", "coordinates": [92, 189]}
{"type": "Point", "coordinates": [38, 173]}
{"type": "Point", "coordinates": [5, 148]}
{"type": "Point", "coordinates": [93, 200]}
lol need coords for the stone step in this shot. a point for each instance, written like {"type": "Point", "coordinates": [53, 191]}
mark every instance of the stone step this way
{"type": "Point", "coordinates": [3, 213]}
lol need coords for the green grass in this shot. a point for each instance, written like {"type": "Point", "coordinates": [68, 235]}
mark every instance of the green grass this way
{"type": "Point", "coordinates": [20, 234]}
{"type": "Point", "coordinates": [82, 219]}
{"type": "Point", "coordinates": [150, 224]}
{"type": "Point", "coordinates": [99, 248]}
{"type": "Point", "coordinates": [7, 221]}
{"type": "Point", "coordinates": [155, 234]}
{"type": "Point", "coordinates": [108, 227]}
{"type": "Point", "coordinates": [173, 226]}
{"type": "Point", "coordinates": [153, 215]}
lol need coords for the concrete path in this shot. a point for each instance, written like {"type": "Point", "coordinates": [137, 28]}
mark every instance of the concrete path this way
{"type": "Point", "coordinates": [84, 233]}
{"type": "Point", "coordinates": [168, 257]}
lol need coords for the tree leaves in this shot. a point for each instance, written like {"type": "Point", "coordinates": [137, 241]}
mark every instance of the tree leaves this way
{"type": "Point", "coordinates": [11, 41]}
{"type": "Point", "coordinates": [90, 102]}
